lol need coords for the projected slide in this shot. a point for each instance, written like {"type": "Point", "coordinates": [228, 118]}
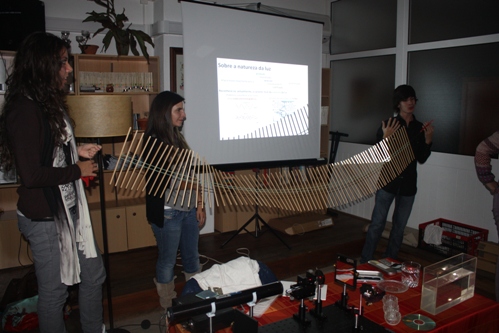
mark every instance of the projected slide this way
{"type": "Point", "coordinates": [252, 86]}
{"type": "Point", "coordinates": [261, 99]}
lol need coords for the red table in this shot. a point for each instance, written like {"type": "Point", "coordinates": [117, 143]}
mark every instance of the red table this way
{"type": "Point", "coordinates": [478, 314]}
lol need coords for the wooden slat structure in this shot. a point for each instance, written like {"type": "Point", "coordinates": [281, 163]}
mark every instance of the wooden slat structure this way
{"type": "Point", "coordinates": [333, 185]}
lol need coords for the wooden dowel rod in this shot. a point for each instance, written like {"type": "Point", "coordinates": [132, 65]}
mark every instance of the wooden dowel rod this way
{"type": "Point", "coordinates": [139, 159]}
{"type": "Point", "coordinates": [147, 174]}
{"type": "Point", "coordinates": [123, 163]}
{"type": "Point", "coordinates": [143, 163]}
{"type": "Point", "coordinates": [175, 170]}
{"type": "Point", "coordinates": [182, 164]}
{"type": "Point", "coordinates": [130, 156]}
{"type": "Point", "coordinates": [158, 170]}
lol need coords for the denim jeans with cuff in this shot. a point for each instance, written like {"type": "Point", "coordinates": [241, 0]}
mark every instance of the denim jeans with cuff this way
{"type": "Point", "coordinates": [403, 208]}
{"type": "Point", "coordinates": [179, 232]}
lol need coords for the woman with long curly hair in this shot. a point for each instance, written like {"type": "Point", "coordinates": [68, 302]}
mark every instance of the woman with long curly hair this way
{"type": "Point", "coordinates": [37, 139]}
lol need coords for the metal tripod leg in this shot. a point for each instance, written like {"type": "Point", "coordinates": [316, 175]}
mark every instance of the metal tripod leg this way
{"type": "Point", "coordinates": [257, 219]}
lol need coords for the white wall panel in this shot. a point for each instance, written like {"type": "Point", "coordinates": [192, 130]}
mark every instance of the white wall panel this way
{"type": "Point", "coordinates": [447, 188]}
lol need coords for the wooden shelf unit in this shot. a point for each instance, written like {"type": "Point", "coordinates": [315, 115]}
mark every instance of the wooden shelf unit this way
{"type": "Point", "coordinates": [120, 64]}
{"type": "Point", "coordinates": [125, 210]}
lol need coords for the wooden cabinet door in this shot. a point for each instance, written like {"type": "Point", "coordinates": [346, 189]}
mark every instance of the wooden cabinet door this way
{"type": "Point", "coordinates": [14, 249]}
{"type": "Point", "coordinates": [116, 229]}
{"type": "Point", "coordinates": [139, 231]}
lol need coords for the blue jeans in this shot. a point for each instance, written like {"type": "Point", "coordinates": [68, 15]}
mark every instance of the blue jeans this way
{"type": "Point", "coordinates": [52, 293]}
{"type": "Point", "coordinates": [403, 208]}
{"type": "Point", "coordinates": [180, 231]}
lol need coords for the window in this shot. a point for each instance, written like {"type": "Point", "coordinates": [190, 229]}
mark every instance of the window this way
{"type": "Point", "coordinates": [447, 50]}
{"type": "Point", "coordinates": [458, 88]}
{"type": "Point", "coordinates": [359, 98]}
{"type": "Point", "coordinates": [360, 25]}
{"type": "Point", "coordinates": [449, 19]}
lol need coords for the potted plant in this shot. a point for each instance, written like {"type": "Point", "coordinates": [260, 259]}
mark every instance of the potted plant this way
{"type": "Point", "coordinates": [82, 43]}
{"type": "Point", "coordinates": [126, 39]}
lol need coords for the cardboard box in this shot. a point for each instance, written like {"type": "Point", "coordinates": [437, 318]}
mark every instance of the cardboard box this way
{"type": "Point", "coordinates": [232, 218]}
{"type": "Point", "coordinates": [487, 256]}
{"type": "Point", "coordinates": [225, 219]}
{"type": "Point", "coordinates": [488, 251]}
{"type": "Point", "coordinates": [486, 265]}
{"type": "Point", "coordinates": [302, 223]}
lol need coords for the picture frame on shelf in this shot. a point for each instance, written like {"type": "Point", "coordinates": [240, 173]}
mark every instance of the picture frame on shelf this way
{"type": "Point", "coordinates": [177, 70]}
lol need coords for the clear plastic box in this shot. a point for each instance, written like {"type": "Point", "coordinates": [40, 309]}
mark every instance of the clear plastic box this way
{"type": "Point", "coordinates": [448, 282]}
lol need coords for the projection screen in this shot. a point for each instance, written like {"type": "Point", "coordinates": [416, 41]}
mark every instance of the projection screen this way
{"type": "Point", "coordinates": [252, 86]}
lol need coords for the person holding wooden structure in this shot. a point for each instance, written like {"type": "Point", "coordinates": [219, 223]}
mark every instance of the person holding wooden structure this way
{"type": "Point", "coordinates": [177, 213]}
{"type": "Point", "coordinates": [403, 188]}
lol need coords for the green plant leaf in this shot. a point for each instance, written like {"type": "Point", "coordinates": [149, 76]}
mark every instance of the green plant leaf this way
{"type": "Point", "coordinates": [98, 31]}
{"type": "Point", "coordinates": [121, 19]}
{"type": "Point", "coordinates": [142, 38]}
{"type": "Point", "coordinates": [133, 46]}
{"type": "Point", "coordinates": [107, 40]}
{"type": "Point", "coordinates": [96, 17]}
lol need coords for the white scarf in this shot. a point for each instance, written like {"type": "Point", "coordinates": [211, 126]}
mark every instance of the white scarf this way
{"type": "Point", "coordinates": [72, 233]}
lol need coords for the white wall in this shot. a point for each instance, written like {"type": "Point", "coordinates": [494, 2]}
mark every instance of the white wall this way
{"type": "Point", "coordinates": [447, 188]}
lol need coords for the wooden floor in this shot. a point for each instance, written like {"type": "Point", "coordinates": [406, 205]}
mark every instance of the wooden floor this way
{"type": "Point", "coordinates": [131, 273]}
{"type": "Point", "coordinates": [133, 270]}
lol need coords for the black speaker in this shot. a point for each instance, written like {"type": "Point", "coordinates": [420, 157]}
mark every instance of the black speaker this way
{"type": "Point", "coordinates": [18, 19]}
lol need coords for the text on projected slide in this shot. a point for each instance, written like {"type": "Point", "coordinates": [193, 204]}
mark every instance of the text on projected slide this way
{"type": "Point", "coordinates": [261, 99]}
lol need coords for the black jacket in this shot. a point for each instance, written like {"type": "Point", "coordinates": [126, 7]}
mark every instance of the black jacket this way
{"type": "Point", "coordinates": [406, 182]}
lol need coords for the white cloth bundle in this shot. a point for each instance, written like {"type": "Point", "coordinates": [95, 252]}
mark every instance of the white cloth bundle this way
{"type": "Point", "coordinates": [235, 275]}
{"type": "Point", "coordinates": [433, 234]}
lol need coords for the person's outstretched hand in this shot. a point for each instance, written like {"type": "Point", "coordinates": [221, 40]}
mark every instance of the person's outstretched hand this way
{"type": "Point", "coordinates": [88, 150]}
{"type": "Point", "coordinates": [391, 126]}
